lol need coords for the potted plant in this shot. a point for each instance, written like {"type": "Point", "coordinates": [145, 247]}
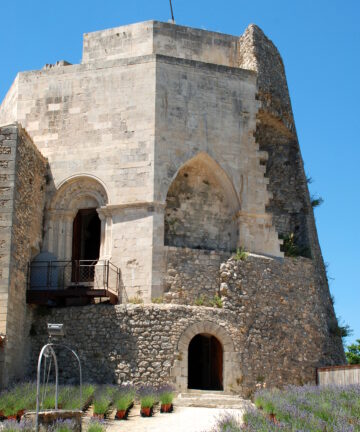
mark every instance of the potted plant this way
{"type": "Point", "coordinates": [147, 400]}
{"type": "Point", "coordinates": [123, 401]}
{"type": "Point", "coordinates": [166, 396]}
{"type": "Point", "coordinates": [102, 400]}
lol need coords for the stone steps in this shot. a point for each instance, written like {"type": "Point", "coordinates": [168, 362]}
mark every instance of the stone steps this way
{"type": "Point", "coordinates": [211, 399]}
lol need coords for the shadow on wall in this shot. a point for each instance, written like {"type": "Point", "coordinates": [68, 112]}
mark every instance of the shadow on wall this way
{"type": "Point", "coordinates": [108, 352]}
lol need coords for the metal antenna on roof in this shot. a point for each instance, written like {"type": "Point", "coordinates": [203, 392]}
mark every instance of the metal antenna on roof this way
{"type": "Point", "coordinates": [172, 13]}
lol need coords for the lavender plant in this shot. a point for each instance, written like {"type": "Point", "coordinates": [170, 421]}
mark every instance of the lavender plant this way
{"type": "Point", "coordinates": [14, 426]}
{"type": "Point", "coordinates": [96, 426]}
{"type": "Point", "coordinates": [147, 396]}
{"type": "Point", "coordinates": [308, 408]}
{"type": "Point", "coordinates": [103, 397]}
{"type": "Point", "coordinates": [63, 426]}
{"type": "Point", "coordinates": [166, 394]}
{"type": "Point", "coordinates": [124, 397]}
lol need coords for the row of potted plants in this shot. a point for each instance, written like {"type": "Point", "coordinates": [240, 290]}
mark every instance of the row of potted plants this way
{"type": "Point", "coordinates": [16, 400]}
{"type": "Point", "coordinates": [122, 399]}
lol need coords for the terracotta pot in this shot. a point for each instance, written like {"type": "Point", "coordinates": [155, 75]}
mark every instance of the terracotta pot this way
{"type": "Point", "coordinates": [99, 416]}
{"type": "Point", "coordinates": [12, 417]}
{"type": "Point", "coordinates": [20, 413]}
{"type": "Point", "coordinates": [120, 414]}
{"type": "Point", "coordinates": [166, 408]}
{"type": "Point", "coordinates": [146, 412]}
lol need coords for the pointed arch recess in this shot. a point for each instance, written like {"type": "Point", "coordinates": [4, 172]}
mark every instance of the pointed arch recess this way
{"type": "Point", "coordinates": [201, 207]}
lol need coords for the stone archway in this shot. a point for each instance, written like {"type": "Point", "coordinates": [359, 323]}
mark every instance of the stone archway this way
{"type": "Point", "coordinates": [205, 363]}
{"type": "Point", "coordinates": [180, 371]}
{"type": "Point", "coordinates": [77, 194]}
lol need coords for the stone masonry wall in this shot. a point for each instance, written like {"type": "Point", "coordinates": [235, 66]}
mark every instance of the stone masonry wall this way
{"type": "Point", "coordinates": [285, 315]}
{"type": "Point", "coordinates": [192, 274]}
{"type": "Point", "coordinates": [8, 137]}
{"type": "Point", "coordinates": [275, 315]}
{"type": "Point", "coordinates": [276, 134]}
{"type": "Point", "coordinates": [25, 171]}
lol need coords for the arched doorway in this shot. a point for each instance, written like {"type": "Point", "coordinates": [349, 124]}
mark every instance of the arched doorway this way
{"type": "Point", "coordinates": [205, 363]}
{"type": "Point", "coordinates": [85, 244]}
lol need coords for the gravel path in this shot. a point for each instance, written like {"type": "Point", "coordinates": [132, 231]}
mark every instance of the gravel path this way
{"type": "Point", "coordinates": [183, 419]}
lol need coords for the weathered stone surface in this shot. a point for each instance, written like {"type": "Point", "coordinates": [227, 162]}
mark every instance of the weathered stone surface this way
{"type": "Point", "coordinates": [49, 417]}
{"type": "Point", "coordinates": [192, 274]}
{"type": "Point", "coordinates": [182, 140]}
{"type": "Point", "coordinates": [276, 326]}
{"type": "Point", "coordinates": [22, 199]}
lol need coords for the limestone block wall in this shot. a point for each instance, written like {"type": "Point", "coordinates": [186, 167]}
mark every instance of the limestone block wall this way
{"type": "Point", "coordinates": [23, 178]}
{"type": "Point", "coordinates": [192, 274]}
{"type": "Point", "coordinates": [153, 37]}
{"type": "Point", "coordinates": [207, 113]}
{"type": "Point", "coordinates": [95, 124]}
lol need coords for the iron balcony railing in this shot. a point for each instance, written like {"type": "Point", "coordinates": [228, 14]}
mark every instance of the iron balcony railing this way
{"type": "Point", "coordinates": [60, 275]}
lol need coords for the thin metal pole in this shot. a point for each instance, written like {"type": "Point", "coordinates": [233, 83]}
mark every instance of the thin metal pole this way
{"type": "Point", "coordinates": [172, 13]}
{"type": "Point", "coordinates": [42, 352]}
{"type": "Point", "coordinates": [80, 369]}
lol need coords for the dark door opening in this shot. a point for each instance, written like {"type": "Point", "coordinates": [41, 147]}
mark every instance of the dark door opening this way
{"type": "Point", "coordinates": [205, 363]}
{"type": "Point", "coordinates": [86, 244]}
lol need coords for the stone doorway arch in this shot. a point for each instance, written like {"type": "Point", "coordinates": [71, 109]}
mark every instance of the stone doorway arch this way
{"type": "Point", "coordinates": [79, 193]}
{"type": "Point", "coordinates": [205, 363]}
{"type": "Point", "coordinates": [180, 371]}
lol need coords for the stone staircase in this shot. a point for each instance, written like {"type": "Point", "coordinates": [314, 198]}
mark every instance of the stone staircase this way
{"type": "Point", "coordinates": [211, 399]}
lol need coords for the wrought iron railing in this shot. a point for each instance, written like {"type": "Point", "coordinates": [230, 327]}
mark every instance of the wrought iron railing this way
{"type": "Point", "coordinates": [55, 275]}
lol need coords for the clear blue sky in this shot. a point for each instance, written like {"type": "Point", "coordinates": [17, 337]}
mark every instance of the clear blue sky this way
{"type": "Point", "coordinates": [319, 41]}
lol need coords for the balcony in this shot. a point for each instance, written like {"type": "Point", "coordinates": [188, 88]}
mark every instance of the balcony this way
{"type": "Point", "coordinates": [72, 283]}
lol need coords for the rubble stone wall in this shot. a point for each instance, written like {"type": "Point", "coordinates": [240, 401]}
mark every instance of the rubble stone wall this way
{"type": "Point", "coordinates": [274, 327]}
{"type": "Point", "coordinates": [24, 168]}
{"type": "Point", "coordinates": [192, 274]}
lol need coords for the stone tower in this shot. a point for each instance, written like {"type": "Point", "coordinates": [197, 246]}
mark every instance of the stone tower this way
{"type": "Point", "coordinates": [166, 150]}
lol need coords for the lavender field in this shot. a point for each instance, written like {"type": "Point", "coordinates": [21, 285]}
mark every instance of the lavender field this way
{"type": "Point", "coordinates": [300, 409]}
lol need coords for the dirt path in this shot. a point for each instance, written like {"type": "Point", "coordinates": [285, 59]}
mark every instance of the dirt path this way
{"type": "Point", "coordinates": [183, 419]}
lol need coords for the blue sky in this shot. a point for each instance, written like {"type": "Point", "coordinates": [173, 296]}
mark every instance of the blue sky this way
{"type": "Point", "coordinates": [319, 41]}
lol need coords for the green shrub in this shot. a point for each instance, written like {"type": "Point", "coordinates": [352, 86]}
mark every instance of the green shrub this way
{"type": "Point", "coordinates": [200, 301]}
{"type": "Point", "coordinates": [240, 254]}
{"type": "Point", "coordinates": [353, 353]}
{"type": "Point", "coordinates": [157, 300]}
{"type": "Point", "coordinates": [316, 201]}
{"type": "Point", "coordinates": [136, 300]}
{"type": "Point", "coordinates": [216, 301]}
{"type": "Point", "coordinates": [291, 248]}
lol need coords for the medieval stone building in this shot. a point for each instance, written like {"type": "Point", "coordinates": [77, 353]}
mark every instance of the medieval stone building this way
{"type": "Point", "coordinates": [134, 177]}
